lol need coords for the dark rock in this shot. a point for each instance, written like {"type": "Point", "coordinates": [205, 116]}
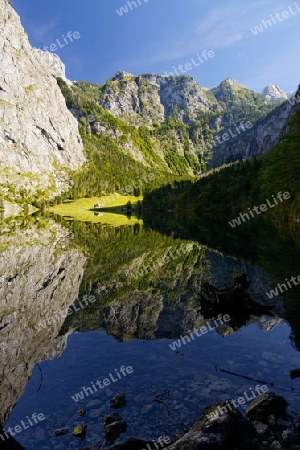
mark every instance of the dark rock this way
{"type": "Point", "coordinates": [113, 426]}
{"type": "Point", "coordinates": [111, 417]}
{"type": "Point", "coordinates": [265, 405]}
{"type": "Point", "coordinates": [275, 445]}
{"type": "Point", "coordinates": [132, 443]}
{"type": "Point", "coordinates": [295, 373]}
{"type": "Point", "coordinates": [7, 442]}
{"type": "Point", "coordinates": [113, 430]}
{"type": "Point", "coordinates": [81, 411]}
{"type": "Point", "coordinates": [118, 401]}
{"type": "Point", "coordinates": [61, 431]}
{"type": "Point", "coordinates": [89, 448]}
{"type": "Point", "coordinates": [220, 426]}
{"type": "Point", "coordinates": [288, 436]}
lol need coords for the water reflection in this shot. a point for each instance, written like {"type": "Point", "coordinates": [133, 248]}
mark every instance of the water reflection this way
{"type": "Point", "coordinates": [146, 281]}
{"type": "Point", "coordinates": [40, 276]}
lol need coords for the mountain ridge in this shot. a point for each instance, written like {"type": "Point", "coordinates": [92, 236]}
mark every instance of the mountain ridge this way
{"type": "Point", "coordinates": [150, 123]}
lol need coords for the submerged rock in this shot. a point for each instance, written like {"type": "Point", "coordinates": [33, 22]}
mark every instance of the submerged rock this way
{"type": "Point", "coordinates": [113, 430]}
{"type": "Point", "coordinates": [61, 431]}
{"type": "Point", "coordinates": [113, 426]}
{"type": "Point", "coordinates": [81, 411]}
{"type": "Point", "coordinates": [222, 427]}
{"type": "Point", "coordinates": [265, 405]}
{"type": "Point", "coordinates": [132, 443]}
{"type": "Point", "coordinates": [118, 401]}
{"type": "Point", "coordinates": [80, 430]}
{"type": "Point", "coordinates": [111, 417]}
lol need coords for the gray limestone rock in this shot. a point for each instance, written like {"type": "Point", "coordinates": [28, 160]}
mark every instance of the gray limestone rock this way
{"type": "Point", "coordinates": [273, 93]}
{"type": "Point", "coordinates": [39, 137]}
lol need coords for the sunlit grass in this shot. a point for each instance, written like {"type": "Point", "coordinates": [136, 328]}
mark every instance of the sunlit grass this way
{"type": "Point", "coordinates": [109, 213]}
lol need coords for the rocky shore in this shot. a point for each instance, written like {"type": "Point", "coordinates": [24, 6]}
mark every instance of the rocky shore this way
{"type": "Point", "coordinates": [267, 425]}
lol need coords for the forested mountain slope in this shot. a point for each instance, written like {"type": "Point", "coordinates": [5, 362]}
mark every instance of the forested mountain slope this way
{"type": "Point", "coordinates": [228, 191]}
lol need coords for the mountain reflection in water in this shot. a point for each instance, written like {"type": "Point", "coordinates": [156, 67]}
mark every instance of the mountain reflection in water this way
{"type": "Point", "coordinates": [46, 265]}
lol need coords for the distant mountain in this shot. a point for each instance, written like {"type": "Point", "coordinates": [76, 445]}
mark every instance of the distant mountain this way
{"type": "Point", "coordinates": [131, 126]}
{"type": "Point", "coordinates": [255, 141]}
{"type": "Point", "coordinates": [273, 93]}
{"type": "Point", "coordinates": [145, 99]}
{"type": "Point", "coordinates": [171, 124]}
{"type": "Point", "coordinates": [232, 190]}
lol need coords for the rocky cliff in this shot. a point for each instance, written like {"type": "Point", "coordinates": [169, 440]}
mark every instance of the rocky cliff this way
{"type": "Point", "coordinates": [144, 99]}
{"type": "Point", "coordinates": [273, 93]}
{"type": "Point", "coordinates": [167, 123]}
{"type": "Point", "coordinates": [39, 139]}
{"type": "Point", "coordinates": [262, 136]}
{"type": "Point", "coordinates": [170, 105]}
{"type": "Point", "coordinates": [149, 122]}
{"type": "Point", "coordinates": [51, 62]}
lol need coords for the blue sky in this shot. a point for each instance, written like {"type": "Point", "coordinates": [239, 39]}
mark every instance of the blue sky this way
{"type": "Point", "coordinates": [160, 34]}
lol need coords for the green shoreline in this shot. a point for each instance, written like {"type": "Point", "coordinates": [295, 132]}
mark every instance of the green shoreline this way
{"type": "Point", "coordinates": [109, 210]}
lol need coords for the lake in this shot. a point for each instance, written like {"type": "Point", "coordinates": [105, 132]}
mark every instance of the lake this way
{"type": "Point", "coordinates": [143, 279]}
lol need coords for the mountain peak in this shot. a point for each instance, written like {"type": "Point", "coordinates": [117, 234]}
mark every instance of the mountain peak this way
{"type": "Point", "coordinates": [52, 62]}
{"type": "Point", "coordinates": [121, 74]}
{"type": "Point", "coordinates": [234, 83]}
{"type": "Point", "coordinates": [273, 93]}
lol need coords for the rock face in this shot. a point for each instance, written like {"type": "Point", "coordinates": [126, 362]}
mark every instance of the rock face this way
{"type": "Point", "coordinates": [151, 99]}
{"type": "Point", "coordinates": [52, 62]}
{"type": "Point", "coordinates": [40, 278]}
{"type": "Point", "coordinates": [273, 93]}
{"type": "Point", "coordinates": [146, 99]}
{"type": "Point", "coordinates": [265, 405]}
{"type": "Point", "coordinates": [113, 426]}
{"type": "Point", "coordinates": [264, 134]}
{"type": "Point", "coordinates": [219, 92]}
{"type": "Point", "coordinates": [229, 430]}
{"type": "Point", "coordinates": [39, 137]}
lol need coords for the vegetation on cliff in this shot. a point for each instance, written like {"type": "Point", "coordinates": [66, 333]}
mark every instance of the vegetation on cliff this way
{"type": "Point", "coordinates": [227, 191]}
{"type": "Point", "coordinates": [172, 149]}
